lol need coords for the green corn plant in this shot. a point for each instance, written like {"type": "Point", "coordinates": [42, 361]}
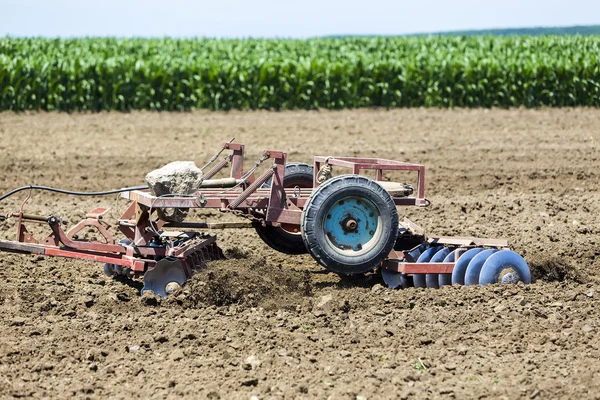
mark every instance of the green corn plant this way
{"type": "Point", "coordinates": [167, 74]}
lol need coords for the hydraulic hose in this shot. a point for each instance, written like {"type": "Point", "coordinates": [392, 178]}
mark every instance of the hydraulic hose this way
{"type": "Point", "coordinates": [71, 192]}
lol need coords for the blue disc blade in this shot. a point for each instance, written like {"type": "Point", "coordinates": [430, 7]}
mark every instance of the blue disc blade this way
{"type": "Point", "coordinates": [428, 254]}
{"type": "Point", "coordinates": [392, 279]}
{"type": "Point", "coordinates": [458, 274]}
{"type": "Point", "coordinates": [505, 266]}
{"type": "Point", "coordinates": [419, 280]}
{"type": "Point", "coordinates": [440, 255]}
{"type": "Point", "coordinates": [406, 281]}
{"type": "Point", "coordinates": [431, 281]}
{"type": "Point", "coordinates": [474, 267]}
{"type": "Point", "coordinates": [446, 279]}
{"type": "Point", "coordinates": [450, 256]}
{"type": "Point", "coordinates": [414, 254]}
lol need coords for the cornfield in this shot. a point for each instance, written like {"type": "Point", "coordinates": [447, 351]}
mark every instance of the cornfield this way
{"type": "Point", "coordinates": [181, 74]}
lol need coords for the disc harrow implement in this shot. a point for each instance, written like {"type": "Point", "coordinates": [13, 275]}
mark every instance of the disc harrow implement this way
{"type": "Point", "coordinates": [348, 222]}
{"type": "Point", "coordinates": [455, 261]}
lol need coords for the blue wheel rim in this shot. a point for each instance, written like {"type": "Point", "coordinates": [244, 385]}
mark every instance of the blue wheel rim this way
{"type": "Point", "coordinates": [505, 266]}
{"type": "Point", "coordinates": [474, 267]}
{"type": "Point", "coordinates": [458, 273]}
{"type": "Point", "coordinates": [352, 225]}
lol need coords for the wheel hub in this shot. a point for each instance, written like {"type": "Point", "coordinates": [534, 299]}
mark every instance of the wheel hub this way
{"type": "Point", "coordinates": [509, 276]}
{"type": "Point", "coordinates": [352, 225]}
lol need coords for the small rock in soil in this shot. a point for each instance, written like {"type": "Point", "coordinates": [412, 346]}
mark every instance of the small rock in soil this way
{"type": "Point", "coordinates": [18, 321]}
{"type": "Point", "coordinates": [177, 355]}
{"type": "Point", "coordinates": [588, 329]}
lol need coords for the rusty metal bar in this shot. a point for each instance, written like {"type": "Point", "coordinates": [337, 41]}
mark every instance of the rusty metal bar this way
{"type": "Point", "coordinates": [19, 247]}
{"type": "Point", "coordinates": [357, 164]}
{"type": "Point", "coordinates": [82, 245]}
{"type": "Point", "coordinates": [255, 185]}
{"type": "Point", "coordinates": [217, 167]}
{"type": "Point", "coordinates": [208, 225]}
{"type": "Point", "coordinates": [277, 195]}
{"type": "Point", "coordinates": [418, 268]}
{"type": "Point", "coordinates": [468, 241]}
{"type": "Point", "coordinates": [421, 183]}
{"type": "Point", "coordinates": [237, 159]}
{"type": "Point", "coordinates": [284, 216]}
{"type": "Point", "coordinates": [31, 217]}
{"type": "Point", "coordinates": [220, 183]}
{"type": "Point", "coordinates": [346, 161]}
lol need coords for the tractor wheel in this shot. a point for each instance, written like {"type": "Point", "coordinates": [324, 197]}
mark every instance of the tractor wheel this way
{"type": "Point", "coordinates": [349, 224]}
{"type": "Point", "coordinates": [287, 238]}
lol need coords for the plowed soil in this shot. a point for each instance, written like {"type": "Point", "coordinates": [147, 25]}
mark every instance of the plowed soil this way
{"type": "Point", "coordinates": [270, 326]}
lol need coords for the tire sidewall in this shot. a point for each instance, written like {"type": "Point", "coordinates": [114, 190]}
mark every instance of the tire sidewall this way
{"type": "Point", "coordinates": [315, 212]}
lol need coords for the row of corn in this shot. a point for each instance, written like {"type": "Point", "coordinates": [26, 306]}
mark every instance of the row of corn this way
{"type": "Point", "coordinates": [181, 74]}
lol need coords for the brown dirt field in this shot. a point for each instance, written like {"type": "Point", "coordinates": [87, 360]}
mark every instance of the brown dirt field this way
{"type": "Point", "coordinates": [280, 328]}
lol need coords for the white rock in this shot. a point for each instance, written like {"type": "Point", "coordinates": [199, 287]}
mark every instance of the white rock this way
{"type": "Point", "coordinates": [324, 300]}
{"type": "Point", "coordinates": [588, 329]}
{"type": "Point", "coordinates": [324, 306]}
{"type": "Point", "coordinates": [178, 177]}
{"type": "Point", "coordinates": [377, 287]}
{"type": "Point", "coordinates": [253, 362]}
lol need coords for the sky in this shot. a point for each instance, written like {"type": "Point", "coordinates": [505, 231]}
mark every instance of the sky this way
{"type": "Point", "coordinates": [283, 19]}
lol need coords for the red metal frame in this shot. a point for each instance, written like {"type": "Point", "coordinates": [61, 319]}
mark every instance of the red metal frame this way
{"type": "Point", "coordinates": [357, 164]}
{"type": "Point", "coordinates": [247, 199]}
{"type": "Point", "coordinates": [252, 201]}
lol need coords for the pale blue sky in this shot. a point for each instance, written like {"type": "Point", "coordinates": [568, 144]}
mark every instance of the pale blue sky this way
{"type": "Point", "coordinates": [267, 18]}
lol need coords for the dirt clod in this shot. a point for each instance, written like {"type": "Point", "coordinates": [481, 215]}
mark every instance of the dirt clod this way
{"type": "Point", "coordinates": [554, 270]}
{"type": "Point", "coordinates": [250, 282]}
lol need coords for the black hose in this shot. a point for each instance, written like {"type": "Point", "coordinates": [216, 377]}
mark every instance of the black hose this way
{"type": "Point", "coordinates": [51, 189]}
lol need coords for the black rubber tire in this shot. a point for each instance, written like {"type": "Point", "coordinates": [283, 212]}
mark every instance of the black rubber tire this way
{"type": "Point", "coordinates": [315, 212]}
{"type": "Point", "coordinates": [280, 239]}
{"type": "Point", "coordinates": [296, 174]}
